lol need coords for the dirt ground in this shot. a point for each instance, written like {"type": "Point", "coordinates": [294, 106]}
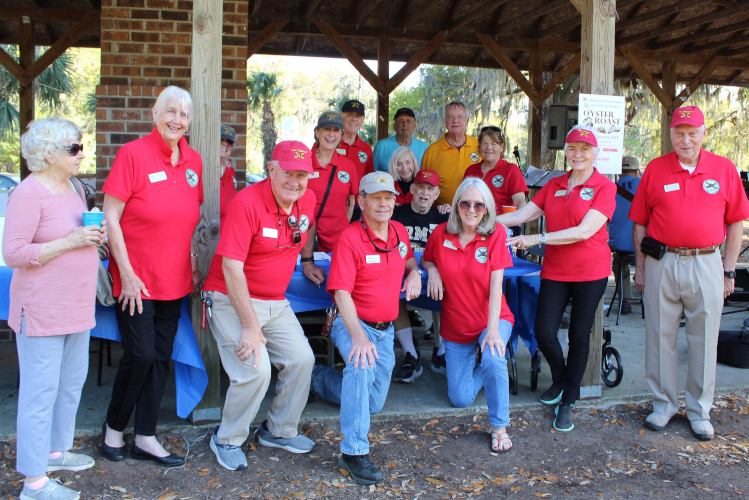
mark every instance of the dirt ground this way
{"type": "Point", "coordinates": [608, 455]}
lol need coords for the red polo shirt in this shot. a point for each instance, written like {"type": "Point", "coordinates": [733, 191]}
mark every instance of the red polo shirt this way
{"type": "Point", "coordinates": [402, 199]}
{"type": "Point", "coordinates": [333, 220]}
{"type": "Point", "coordinates": [360, 154]}
{"type": "Point", "coordinates": [162, 208]}
{"type": "Point", "coordinates": [586, 260]}
{"type": "Point", "coordinates": [228, 190]}
{"type": "Point", "coordinates": [466, 276]}
{"type": "Point", "coordinates": [504, 180]}
{"type": "Point", "coordinates": [374, 279]}
{"type": "Point", "coordinates": [251, 233]}
{"type": "Point", "coordinates": [689, 210]}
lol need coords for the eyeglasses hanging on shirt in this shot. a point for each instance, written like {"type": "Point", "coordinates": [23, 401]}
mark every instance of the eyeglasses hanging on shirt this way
{"type": "Point", "coordinates": [293, 224]}
{"type": "Point", "coordinates": [383, 250]}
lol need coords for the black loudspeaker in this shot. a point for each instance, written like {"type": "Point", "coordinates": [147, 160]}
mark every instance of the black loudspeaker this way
{"type": "Point", "coordinates": [561, 119]}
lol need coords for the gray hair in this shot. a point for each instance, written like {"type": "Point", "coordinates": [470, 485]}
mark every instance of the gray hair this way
{"type": "Point", "coordinates": [45, 138]}
{"type": "Point", "coordinates": [181, 96]}
{"type": "Point", "coordinates": [393, 168]}
{"type": "Point", "coordinates": [488, 223]}
{"type": "Point", "coordinates": [459, 104]}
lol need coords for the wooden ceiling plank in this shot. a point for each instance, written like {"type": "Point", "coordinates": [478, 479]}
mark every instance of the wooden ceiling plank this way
{"type": "Point", "coordinates": [476, 13]}
{"type": "Point", "coordinates": [661, 12]}
{"type": "Point", "coordinates": [734, 40]}
{"type": "Point", "coordinates": [12, 66]}
{"type": "Point", "coordinates": [735, 52]}
{"type": "Point", "coordinates": [560, 78]}
{"type": "Point", "coordinates": [51, 15]}
{"type": "Point", "coordinates": [364, 10]}
{"type": "Point", "coordinates": [424, 8]}
{"type": "Point", "coordinates": [349, 53]}
{"type": "Point", "coordinates": [256, 8]}
{"type": "Point", "coordinates": [671, 19]}
{"type": "Point", "coordinates": [310, 10]}
{"type": "Point", "coordinates": [63, 44]}
{"type": "Point", "coordinates": [504, 60]}
{"type": "Point", "coordinates": [494, 28]}
{"type": "Point", "coordinates": [416, 60]}
{"type": "Point", "coordinates": [734, 76]}
{"type": "Point", "coordinates": [698, 80]}
{"type": "Point", "coordinates": [256, 43]}
{"type": "Point", "coordinates": [534, 13]}
{"type": "Point", "coordinates": [646, 77]}
{"type": "Point", "coordinates": [723, 30]}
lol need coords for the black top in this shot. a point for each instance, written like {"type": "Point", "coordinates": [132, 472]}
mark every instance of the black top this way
{"type": "Point", "coordinates": [419, 226]}
{"type": "Point", "coordinates": [405, 187]}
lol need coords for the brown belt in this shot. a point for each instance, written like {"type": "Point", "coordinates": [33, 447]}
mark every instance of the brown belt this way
{"type": "Point", "coordinates": [691, 251]}
{"type": "Point", "coordinates": [382, 325]}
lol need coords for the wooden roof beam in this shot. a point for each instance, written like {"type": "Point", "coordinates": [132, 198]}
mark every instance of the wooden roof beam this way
{"type": "Point", "coordinates": [734, 76]}
{"type": "Point", "coordinates": [560, 78]}
{"type": "Point", "coordinates": [734, 40]}
{"type": "Point", "coordinates": [698, 80]}
{"type": "Point", "coordinates": [426, 7]}
{"type": "Point", "coordinates": [257, 42]}
{"type": "Point", "coordinates": [504, 60]}
{"type": "Point", "coordinates": [659, 93]}
{"type": "Point", "coordinates": [696, 37]}
{"type": "Point", "coordinates": [494, 28]}
{"type": "Point", "coordinates": [574, 22]}
{"type": "Point", "coordinates": [656, 13]}
{"type": "Point", "coordinates": [15, 69]}
{"type": "Point", "coordinates": [255, 7]}
{"type": "Point", "coordinates": [364, 10]}
{"type": "Point", "coordinates": [735, 52]}
{"type": "Point", "coordinates": [476, 13]}
{"type": "Point", "coordinates": [310, 10]}
{"type": "Point", "coordinates": [416, 60]}
{"type": "Point", "coordinates": [52, 15]}
{"type": "Point", "coordinates": [534, 13]}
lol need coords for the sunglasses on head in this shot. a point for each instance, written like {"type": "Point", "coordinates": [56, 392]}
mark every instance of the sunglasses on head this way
{"type": "Point", "coordinates": [73, 149]}
{"type": "Point", "coordinates": [494, 129]}
{"type": "Point", "coordinates": [465, 205]}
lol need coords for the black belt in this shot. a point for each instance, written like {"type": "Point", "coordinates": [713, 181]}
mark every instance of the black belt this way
{"type": "Point", "coordinates": [382, 325]}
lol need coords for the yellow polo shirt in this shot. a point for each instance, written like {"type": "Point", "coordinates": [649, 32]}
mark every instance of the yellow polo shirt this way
{"type": "Point", "coordinates": [450, 164]}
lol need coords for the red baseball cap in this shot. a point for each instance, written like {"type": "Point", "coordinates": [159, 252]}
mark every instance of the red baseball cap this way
{"type": "Point", "coordinates": [582, 135]}
{"type": "Point", "coordinates": [293, 155]}
{"type": "Point", "coordinates": [688, 115]}
{"type": "Point", "coordinates": [428, 176]}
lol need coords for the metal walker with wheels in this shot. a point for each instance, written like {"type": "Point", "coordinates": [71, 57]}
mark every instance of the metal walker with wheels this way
{"type": "Point", "coordinates": [612, 368]}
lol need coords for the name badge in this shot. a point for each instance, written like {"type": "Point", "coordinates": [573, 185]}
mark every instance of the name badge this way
{"type": "Point", "coordinates": [341, 151]}
{"type": "Point", "coordinates": [315, 175]}
{"type": "Point", "coordinates": [373, 259]}
{"type": "Point", "coordinates": [270, 233]}
{"type": "Point", "coordinates": [157, 177]}
{"type": "Point", "coordinates": [671, 187]}
{"type": "Point", "coordinates": [561, 192]}
{"type": "Point", "coordinates": [449, 244]}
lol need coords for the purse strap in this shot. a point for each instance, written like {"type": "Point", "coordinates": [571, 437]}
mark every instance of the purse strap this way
{"type": "Point", "coordinates": [77, 187]}
{"type": "Point", "coordinates": [327, 192]}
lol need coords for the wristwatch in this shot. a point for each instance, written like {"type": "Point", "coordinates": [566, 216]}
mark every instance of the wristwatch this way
{"type": "Point", "coordinates": [730, 274]}
{"type": "Point", "coordinates": [543, 237]}
{"type": "Point", "coordinates": [421, 273]}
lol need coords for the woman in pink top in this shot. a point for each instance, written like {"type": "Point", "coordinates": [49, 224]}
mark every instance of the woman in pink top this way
{"type": "Point", "coordinates": [52, 301]}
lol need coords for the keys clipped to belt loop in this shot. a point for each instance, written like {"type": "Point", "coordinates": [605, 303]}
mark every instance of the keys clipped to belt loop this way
{"type": "Point", "coordinates": [206, 307]}
{"type": "Point", "coordinates": [332, 313]}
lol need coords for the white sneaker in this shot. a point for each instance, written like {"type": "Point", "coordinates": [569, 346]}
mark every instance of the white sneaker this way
{"type": "Point", "coordinates": [52, 490]}
{"type": "Point", "coordinates": [702, 429]}
{"type": "Point", "coordinates": [70, 461]}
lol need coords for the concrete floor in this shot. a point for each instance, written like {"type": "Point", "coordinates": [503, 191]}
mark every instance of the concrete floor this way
{"type": "Point", "coordinates": [427, 395]}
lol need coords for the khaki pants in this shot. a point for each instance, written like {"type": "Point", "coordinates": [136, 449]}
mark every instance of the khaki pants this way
{"type": "Point", "coordinates": [693, 285]}
{"type": "Point", "coordinates": [287, 349]}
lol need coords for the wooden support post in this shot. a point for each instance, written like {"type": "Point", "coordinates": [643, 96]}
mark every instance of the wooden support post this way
{"type": "Point", "coordinates": [667, 110]}
{"type": "Point", "coordinates": [26, 88]}
{"type": "Point", "coordinates": [596, 77]}
{"type": "Point", "coordinates": [205, 87]}
{"type": "Point", "coordinates": [383, 100]}
{"type": "Point", "coordinates": [536, 74]}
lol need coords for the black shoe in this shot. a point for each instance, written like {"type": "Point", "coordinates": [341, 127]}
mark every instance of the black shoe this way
{"type": "Point", "coordinates": [410, 369]}
{"type": "Point", "coordinates": [429, 335]}
{"type": "Point", "coordinates": [626, 308]}
{"type": "Point", "coordinates": [438, 362]}
{"type": "Point", "coordinates": [362, 470]}
{"type": "Point", "coordinates": [112, 453]}
{"type": "Point", "coordinates": [563, 421]}
{"type": "Point", "coordinates": [553, 395]}
{"type": "Point", "coordinates": [172, 460]}
{"type": "Point", "coordinates": [416, 320]}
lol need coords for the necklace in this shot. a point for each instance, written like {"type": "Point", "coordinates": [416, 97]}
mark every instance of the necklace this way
{"type": "Point", "coordinates": [573, 186]}
{"type": "Point", "coordinates": [48, 184]}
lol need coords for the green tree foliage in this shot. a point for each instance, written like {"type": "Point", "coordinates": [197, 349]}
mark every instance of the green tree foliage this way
{"type": "Point", "coordinates": [262, 91]}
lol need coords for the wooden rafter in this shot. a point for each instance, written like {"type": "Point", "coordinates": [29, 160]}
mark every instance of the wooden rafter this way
{"type": "Point", "coordinates": [659, 93]}
{"type": "Point", "coordinates": [656, 13]}
{"type": "Point", "coordinates": [671, 19]}
{"type": "Point", "coordinates": [730, 42]}
{"type": "Point", "coordinates": [535, 13]}
{"type": "Point", "coordinates": [254, 45]}
{"type": "Point", "coordinates": [735, 52]}
{"type": "Point", "coordinates": [451, 14]}
{"type": "Point", "coordinates": [696, 37]}
{"type": "Point", "coordinates": [11, 65]}
{"type": "Point", "coordinates": [364, 10]}
{"type": "Point", "coordinates": [349, 53]}
{"type": "Point", "coordinates": [504, 60]}
{"type": "Point", "coordinates": [734, 76]}
{"type": "Point", "coordinates": [575, 21]}
{"type": "Point", "coordinates": [422, 55]}
{"type": "Point", "coordinates": [310, 10]}
{"type": "Point", "coordinates": [53, 15]}
{"type": "Point", "coordinates": [698, 80]}
{"type": "Point", "coordinates": [494, 27]}
{"type": "Point", "coordinates": [256, 7]}
{"type": "Point", "coordinates": [426, 7]}
{"type": "Point", "coordinates": [559, 78]}
{"type": "Point", "coordinates": [476, 13]}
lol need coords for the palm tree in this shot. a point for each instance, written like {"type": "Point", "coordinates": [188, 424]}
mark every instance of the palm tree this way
{"type": "Point", "coordinates": [262, 91]}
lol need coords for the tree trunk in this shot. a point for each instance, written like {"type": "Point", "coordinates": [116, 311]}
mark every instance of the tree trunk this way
{"type": "Point", "coordinates": [268, 129]}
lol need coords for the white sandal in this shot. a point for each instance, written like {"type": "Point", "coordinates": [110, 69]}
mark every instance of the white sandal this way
{"type": "Point", "coordinates": [499, 437]}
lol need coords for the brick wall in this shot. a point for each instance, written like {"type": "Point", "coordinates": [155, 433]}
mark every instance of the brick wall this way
{"type": "Point", "coordinates": [146, 45]}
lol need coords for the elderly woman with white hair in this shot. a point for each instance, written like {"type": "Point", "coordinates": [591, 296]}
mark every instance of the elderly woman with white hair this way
{"type": "Point", "coordinates": [52, 302]}
{"type": "Point", "coordinates": [403, 168]}
{"type": "Point", "coordinates": [465, 259]}
{"type": "Point", "coordinates": [152, 202]}
{"type": "Point", "coordinates": [577, 264]}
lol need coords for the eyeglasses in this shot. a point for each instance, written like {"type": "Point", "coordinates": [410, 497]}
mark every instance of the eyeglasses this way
{"type": "Point", "coordinates": [465, 205]}
{"type": "Point", "coordinates": [294, 225]}
{"type": "Point", "coordinates": [494, 129]}
{"type": "Point", "coordinates": [73, 149]}
{"type": "Point", "coordinates": [383, 250]}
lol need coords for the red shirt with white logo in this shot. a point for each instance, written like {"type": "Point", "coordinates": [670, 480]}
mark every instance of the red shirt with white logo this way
{"type": "Point", "coordinates": [466, 277]}
{"type": "Point", "coordinates": [228, 190]}
{"type": "Point", "coordinates": [689, 210]}
{"type": "Point", "coordinates": [162, 208]}
{"type": "Point", "coordinates": [346, 183]}
{"type": "Point", "coordinates": [586, 260]}
{"type": "Point", "coordinates": [373, 278]}
{"type": "Point", "coordinates": [504, 180]}
{"type": "Point", "coordinates": [360, 153]}
{"type": "Point", "coordinates": [256, 232]}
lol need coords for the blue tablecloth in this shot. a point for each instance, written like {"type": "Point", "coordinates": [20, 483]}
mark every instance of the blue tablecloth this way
{"type": "Point", "coordinates": [190, 376]}
{"type": "Point", "coordinates": [522, 298]}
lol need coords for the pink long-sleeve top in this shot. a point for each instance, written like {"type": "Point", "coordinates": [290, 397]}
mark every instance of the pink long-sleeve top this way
{"type": "Point", "coordinates": [59, 296]}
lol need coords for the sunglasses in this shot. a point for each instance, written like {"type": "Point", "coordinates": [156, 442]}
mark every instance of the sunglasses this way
{"type": "Point", "coordinates": [296, 232]}
{"type": "Point", "coordinates": [493, 129]}
{"type": "Point", "coordinates": [465, 205]}
{"type": "Point", "coordinates": [73, 149]}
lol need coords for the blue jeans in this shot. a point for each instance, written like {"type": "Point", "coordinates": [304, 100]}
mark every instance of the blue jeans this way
{"type": "Point", "coordinates": [465, 380]}
{"type": "Point", "coordinates": [358, 391]}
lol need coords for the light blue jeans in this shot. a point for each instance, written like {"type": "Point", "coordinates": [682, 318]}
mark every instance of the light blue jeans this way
{"type": "Point", "coordinates": [465, 379]}
{"type": "Point", "coordinates": [358, 391]}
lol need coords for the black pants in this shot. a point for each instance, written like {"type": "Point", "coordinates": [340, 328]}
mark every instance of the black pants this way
{"type": "Point", "coordinates": [553, 298]}
{"type": "Point", "coordinates": [148, 342]}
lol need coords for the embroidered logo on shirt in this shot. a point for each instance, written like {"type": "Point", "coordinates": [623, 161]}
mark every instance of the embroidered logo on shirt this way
{"type": "Point", "coordinates": [482, 254]}
{"type": "Point", "coordinates": [343, 176]}
{"type": "Point", "coordinates": [362, 157]}
{"type": "Point", "coordinates": [192, 177]}
{"type": "Point", "coordinates": [474, 157]}
{"type": "Point", "coordinates": [498, 181]}
{"type": "Point", "coordinates": [403, 250]}
{"type": "Point", "coordinates": [587, 194]}
{"type": "Point", "coordinates": [303, 223]}
{"type": "Point", "coordinates": [711, 186]}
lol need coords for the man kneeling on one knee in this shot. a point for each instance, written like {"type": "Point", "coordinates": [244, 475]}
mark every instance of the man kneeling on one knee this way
{"type": "Point", "coordinates": [264, 230]}
{"type": "Point", "coordinates": [367, 268]}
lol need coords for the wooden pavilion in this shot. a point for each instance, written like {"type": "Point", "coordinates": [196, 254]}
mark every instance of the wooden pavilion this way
{"type": "Point", "coordinates": [203, 45]}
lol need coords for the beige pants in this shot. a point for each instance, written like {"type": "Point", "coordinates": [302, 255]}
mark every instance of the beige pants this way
{"type": "Point", "coordinates": [287, 349]}
{"type": "Point", "coordinates": [693, 285]}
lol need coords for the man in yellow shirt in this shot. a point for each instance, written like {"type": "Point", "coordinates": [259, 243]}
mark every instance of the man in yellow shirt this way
{"type": "Point", "coordinates": [453, 153]}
